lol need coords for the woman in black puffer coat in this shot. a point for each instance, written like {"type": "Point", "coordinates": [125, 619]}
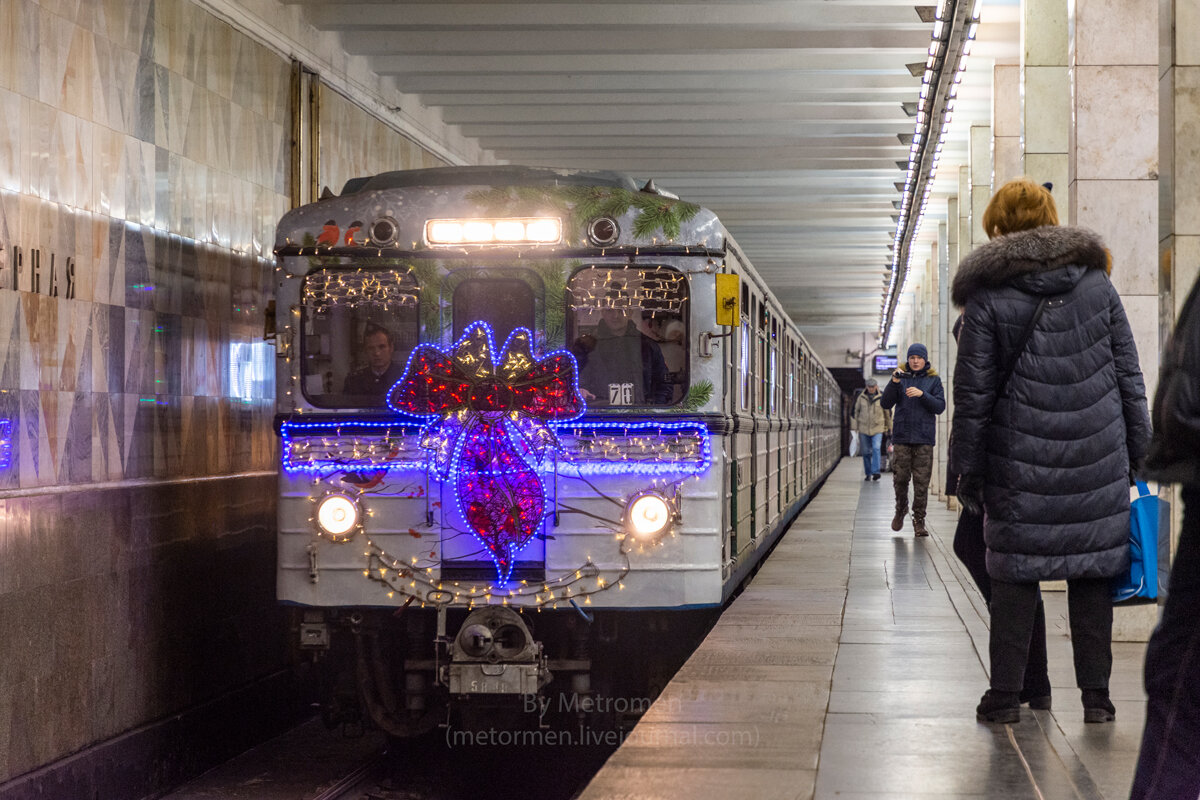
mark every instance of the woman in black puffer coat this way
{"type": "Point", "coordinates": [1049, 455]}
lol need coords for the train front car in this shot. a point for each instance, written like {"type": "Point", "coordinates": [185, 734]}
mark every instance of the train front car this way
{"type": "Point", "coordinates": [499, 410]}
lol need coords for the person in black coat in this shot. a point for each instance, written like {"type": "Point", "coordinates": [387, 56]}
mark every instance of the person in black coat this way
{"type": "Point", "coordinates": [1168, 765]}
{"type": "Point", "coordinates": [1048, 457]}
{"type": "Point", "coordinates": [972, 552]}
{"type": "Point", "coordinates": [916, 395]}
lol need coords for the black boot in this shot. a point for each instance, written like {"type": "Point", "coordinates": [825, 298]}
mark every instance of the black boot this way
{"type": "Point", "coordinates": [1097, 707]}
{"type": "Point", "coordinates": [1002, 707]}
{"type": "Point", "coordinates": [1038, 697]}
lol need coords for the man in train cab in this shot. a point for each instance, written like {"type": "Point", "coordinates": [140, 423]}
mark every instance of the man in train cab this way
{"type": "Point", "coordinates": [619, 364]}
{"type": "Point", "coordinates": [381, 372]}
{"type": "Point", "coordinates": [916, 397]}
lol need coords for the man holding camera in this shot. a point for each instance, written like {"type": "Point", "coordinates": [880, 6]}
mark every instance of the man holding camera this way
{"type": "Point", "coordinates": [916, 396]}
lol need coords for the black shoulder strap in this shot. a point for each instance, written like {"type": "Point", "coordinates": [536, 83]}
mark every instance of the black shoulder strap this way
{"type": "Point", "coordinates": [1020, 348]}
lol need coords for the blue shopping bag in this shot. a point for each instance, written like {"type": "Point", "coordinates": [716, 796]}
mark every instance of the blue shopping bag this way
{"type": "Point", "coordinates": [1140, 583]}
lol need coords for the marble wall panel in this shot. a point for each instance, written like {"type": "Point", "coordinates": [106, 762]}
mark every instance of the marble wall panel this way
{"type": "Point", "coordinates": [1044, 32]}
{"type": "Point", "coordinates": [1047, 114]}
{"type": "Point", "coordinates": [10, 139]}
{"type": "Point", "coordinates": [1115, 32]}
{"type": "Point", "coordinates": [1187, 18]}
{"type": "Point", "coordinates": [355, 144]}
{"type": "Point", "coordinates": [9, 28]}
{"type": "Point", "coordinates": [1123, 213]}
{"type": "Point", "coordinates": [1185, 129]}
{"type": "Point", "coordinates": [147, 142]}
{"type": "Point", "coordinates": [1186, 264]}
{"type": "Point", "coordinates": [1116, 133]}
{"type": "Point", "coordinates": [1142, 311]}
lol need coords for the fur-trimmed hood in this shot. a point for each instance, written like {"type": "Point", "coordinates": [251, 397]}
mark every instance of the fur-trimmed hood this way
{"type": "Point", "coordinates": [1019, 257]}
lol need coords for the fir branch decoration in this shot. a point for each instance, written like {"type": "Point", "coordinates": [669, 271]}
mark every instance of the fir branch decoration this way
{"type": "Point", "coordinates": [698, 395]}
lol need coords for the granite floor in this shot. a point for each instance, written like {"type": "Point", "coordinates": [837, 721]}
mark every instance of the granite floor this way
{"type": "Point", "coordinates": [851, 667]}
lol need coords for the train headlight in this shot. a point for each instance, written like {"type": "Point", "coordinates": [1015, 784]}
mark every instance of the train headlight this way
{"type": "Point", "coordinates": [523, 230]}
{"type": "Point", "coordinates": [337, 516]}
{"type": "Point", "coordinates": [648, 516]}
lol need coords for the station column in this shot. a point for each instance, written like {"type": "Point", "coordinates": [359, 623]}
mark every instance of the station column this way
{"type": "Point", "coordinates": [1045, 110]}
{"type": "Point", "coordinates": [1113, 167]}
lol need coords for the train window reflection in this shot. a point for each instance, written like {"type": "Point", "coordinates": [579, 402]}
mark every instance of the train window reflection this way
{"type": "Point", "coordinates": [628, 331]}
{"type": "Point", "coordinates": [359, 327]}
{"type": "Point", "coordinates": [503, 303]}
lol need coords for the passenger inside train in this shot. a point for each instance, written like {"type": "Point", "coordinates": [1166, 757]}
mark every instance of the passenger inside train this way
{"type": "Point", "coordinates": [620, 363]}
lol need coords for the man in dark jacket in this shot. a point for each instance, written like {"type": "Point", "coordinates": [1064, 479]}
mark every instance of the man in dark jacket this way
{"type": "Point", "coordinates": [1166, 767]}
{"type": "Point", "coordinates": [370, 384]}
{"type": "Point", "coordinates": [917, 396]}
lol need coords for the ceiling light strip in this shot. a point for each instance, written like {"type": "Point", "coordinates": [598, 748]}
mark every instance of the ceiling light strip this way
{"type": "Point", "coordinates": [954, 28]}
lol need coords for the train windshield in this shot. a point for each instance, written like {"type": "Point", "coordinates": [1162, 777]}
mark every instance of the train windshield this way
{"type": "Point", "coordinates": [359, 326]}
{"type": "Point", "coordinates": [628, 331]}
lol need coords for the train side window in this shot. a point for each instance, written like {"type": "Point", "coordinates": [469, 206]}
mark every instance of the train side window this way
{"type": "Point", "coordinates": [628, 330]}
{"type": "Point", "coordinates": [359, 327]}
{"type": "Point", "coordinates": [774, 372]}
{"type": "Point", "coordinates": [744, 360]}
{"type": "Point", "coordinates": [503, 303]}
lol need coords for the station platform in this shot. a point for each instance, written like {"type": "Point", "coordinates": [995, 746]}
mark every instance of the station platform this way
{"type": "Point", "coordinates": [850, 668]}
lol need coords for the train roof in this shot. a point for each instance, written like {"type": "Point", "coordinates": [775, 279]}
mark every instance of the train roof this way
{"type": "Point", "coordinates": [489, 176]}
{"type": "Point", "coordinates": [389, 211]}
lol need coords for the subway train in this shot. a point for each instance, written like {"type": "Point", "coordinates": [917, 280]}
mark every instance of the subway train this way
{"type": "Point", "coordinates": [533, 424]}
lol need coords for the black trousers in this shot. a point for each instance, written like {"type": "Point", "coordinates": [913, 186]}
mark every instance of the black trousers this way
{"type": "Point", "coordinates": [1089, 611]}
{"type": "Point", "coordinates": [972, 552]}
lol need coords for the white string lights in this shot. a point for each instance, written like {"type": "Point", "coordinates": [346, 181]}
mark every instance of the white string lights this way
{"type": "Point", "coordinates": [954, 28]}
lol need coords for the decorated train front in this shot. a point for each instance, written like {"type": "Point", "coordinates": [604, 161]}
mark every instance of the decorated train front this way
{"type": "Point", "coordinates": [494, 406]}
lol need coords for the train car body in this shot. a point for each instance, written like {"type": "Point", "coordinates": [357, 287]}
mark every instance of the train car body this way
{"type": "Point", "coordinates": [508, 414]}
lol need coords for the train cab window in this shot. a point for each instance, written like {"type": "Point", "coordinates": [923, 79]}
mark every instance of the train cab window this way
{"type": "Point", "coordinates": [628, 330]}
{"type": "Point", "coordinates": [503, 303]}
{"type": "Point", "coordinates": [358, 327]}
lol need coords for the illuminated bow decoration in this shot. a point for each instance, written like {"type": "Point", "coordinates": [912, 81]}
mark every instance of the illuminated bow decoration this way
{"type": "Point", "coordinates": [489, 433]}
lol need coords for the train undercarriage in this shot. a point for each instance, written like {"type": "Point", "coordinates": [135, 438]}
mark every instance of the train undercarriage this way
{"type": "Point", "coordinates": [408, 672]}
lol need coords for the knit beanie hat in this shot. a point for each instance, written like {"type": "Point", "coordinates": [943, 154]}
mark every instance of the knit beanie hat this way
{"type": "Point", "coordinates": [918, 349]}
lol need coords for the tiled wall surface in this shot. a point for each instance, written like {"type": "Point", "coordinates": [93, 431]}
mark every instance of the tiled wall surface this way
{"type": "Point", "coordinates": [139, 185]}
{"type": "Point", "coordinates": [354, 144]}
{"type": "Point", "coordinates": [144, 160]}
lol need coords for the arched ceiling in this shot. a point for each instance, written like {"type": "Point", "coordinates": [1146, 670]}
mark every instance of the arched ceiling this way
{"type": "Point", "coordinates": [782, 116]}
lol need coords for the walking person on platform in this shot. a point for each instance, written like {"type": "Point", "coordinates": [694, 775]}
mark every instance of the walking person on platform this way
{"type": "Point", "coordinates": [1169, 763]}
{"type": "Point", "coordinates": [1049, 421]}
{"type": "Point", "coordinates": [870, 421]}
{"type": "Point", "coordinates": [917, 396]}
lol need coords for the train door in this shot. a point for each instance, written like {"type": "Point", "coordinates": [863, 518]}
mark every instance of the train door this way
{"type": "Point", "coordinates": [505, 299]}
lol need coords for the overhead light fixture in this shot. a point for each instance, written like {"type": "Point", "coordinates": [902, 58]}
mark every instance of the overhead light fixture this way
{"type": "Point", "coordinates": [954, 26]}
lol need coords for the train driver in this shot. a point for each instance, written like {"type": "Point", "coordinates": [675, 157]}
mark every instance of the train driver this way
{"type": "Point", "coordinates": [381, 372]}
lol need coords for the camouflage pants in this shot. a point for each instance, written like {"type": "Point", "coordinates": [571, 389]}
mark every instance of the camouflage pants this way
{"type": "Point", "coordinates": [915, 461]}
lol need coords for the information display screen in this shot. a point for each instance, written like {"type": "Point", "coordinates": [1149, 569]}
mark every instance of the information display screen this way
{"type": "Point", "coordinates": [885, 363]}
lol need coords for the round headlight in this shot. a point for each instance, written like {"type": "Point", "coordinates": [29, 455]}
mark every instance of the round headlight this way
{"type": "Point", "coordinates": [337, 515]}
{"type": "Point", "coordinates": [649, 515]}
{"type": "Point", "coordinates": [603, 231]}
{"type": "Point", "coordinates": [383, 231]}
